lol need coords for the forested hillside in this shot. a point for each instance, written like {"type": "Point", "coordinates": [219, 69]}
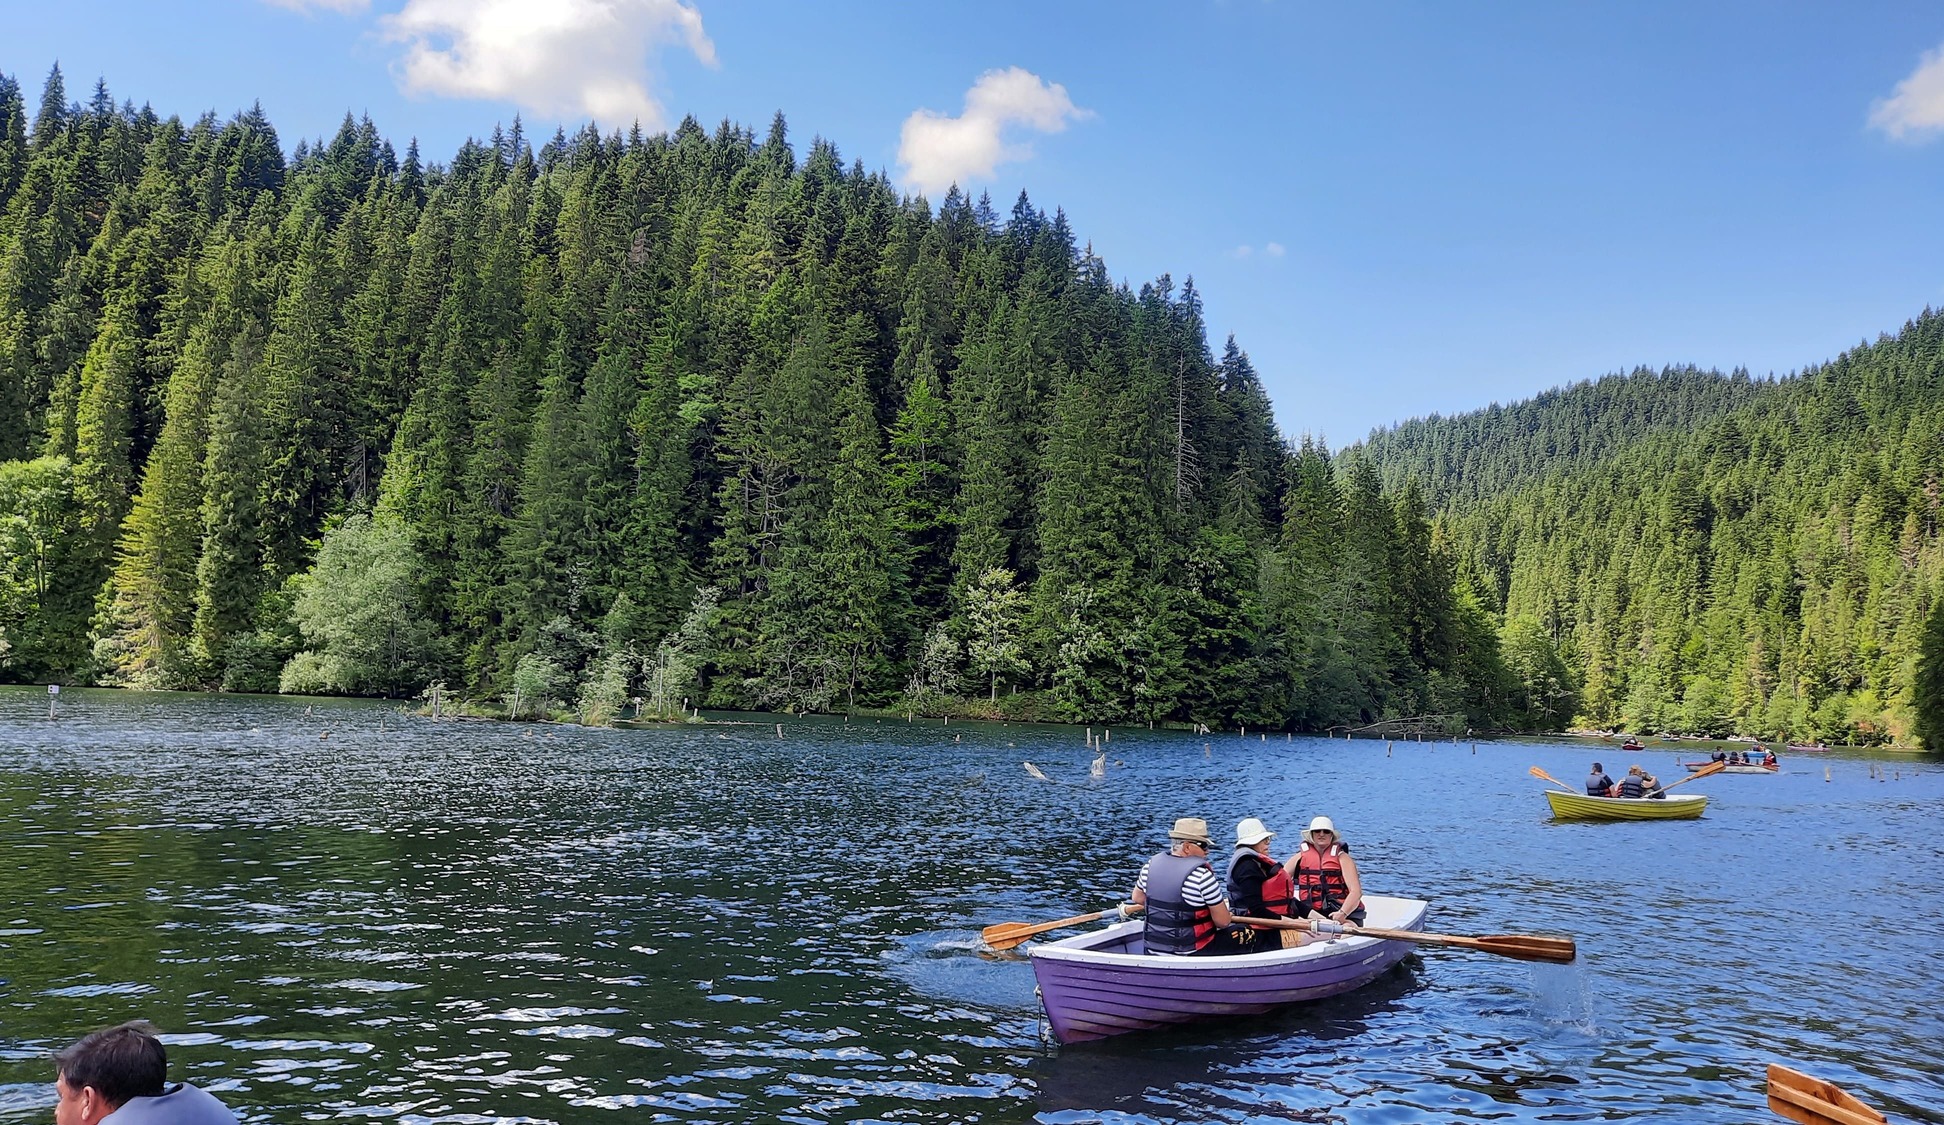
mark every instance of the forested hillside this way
{"type": "Point", "coordinates": [679, 417]}
{"type": "Point", "coordinates": [1711, 553]}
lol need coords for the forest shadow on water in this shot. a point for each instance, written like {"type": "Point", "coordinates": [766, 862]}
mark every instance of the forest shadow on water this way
{"type": "Point", "coordinates": [339, 911]}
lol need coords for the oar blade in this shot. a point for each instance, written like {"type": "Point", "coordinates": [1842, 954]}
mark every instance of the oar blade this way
{"type": "Point", "coordinates": [1811, 1101]}
{"type": "Point", "coordinates": [1531, 947]}
{"type": "Point", "coordinates": [1544, 776]}
{"type": "Point", "coordinates": [1005, 935]}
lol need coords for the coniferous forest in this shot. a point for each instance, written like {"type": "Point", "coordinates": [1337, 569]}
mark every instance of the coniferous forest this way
{"type": "Point", "coordinates": [693, 420]}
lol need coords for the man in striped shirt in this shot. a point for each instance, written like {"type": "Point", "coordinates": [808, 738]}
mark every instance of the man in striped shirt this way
{"type": "Point", "coordinates": [1187, 906]}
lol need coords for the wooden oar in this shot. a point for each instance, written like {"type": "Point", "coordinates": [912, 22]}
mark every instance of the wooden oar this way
{"type": "Point", "coordinates": [1539, 773]}
{"type": "Point", "coordinates": [1005, 935]}
{"type": "Point", "coordinates": [1525, 947]}
{"type": "Point", "coordinates": [1812, 1101]}
{"type": "Point", "coordinates": [1708, 770]}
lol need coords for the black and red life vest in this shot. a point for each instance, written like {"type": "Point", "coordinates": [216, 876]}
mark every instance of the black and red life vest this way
{"type": "Point", "coordinates": [1172, 925]}
{"type": "Point", "coordinates": [1258, 885]}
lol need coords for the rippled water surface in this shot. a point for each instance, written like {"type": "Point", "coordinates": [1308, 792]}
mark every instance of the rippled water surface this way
{"type": "Point", "coordinates": [338, 911]}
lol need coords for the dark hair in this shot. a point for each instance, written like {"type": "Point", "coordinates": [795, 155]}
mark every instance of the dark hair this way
{"type": "Point", "coordinates": [1596, 767]}
{"type": "Point", "coordinates": [122, 1062]}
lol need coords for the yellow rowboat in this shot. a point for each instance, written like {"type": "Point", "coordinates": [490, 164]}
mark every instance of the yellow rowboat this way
{"type": "Point", "coordinates": [1573, 806]}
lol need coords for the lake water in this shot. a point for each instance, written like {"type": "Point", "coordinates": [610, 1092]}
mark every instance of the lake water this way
{"type": "Point", "coordinates": [337, 911]}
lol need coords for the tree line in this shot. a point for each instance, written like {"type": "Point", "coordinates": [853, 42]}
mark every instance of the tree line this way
{"type": "Point", "coordinates": [1710, 553]}
{"type": "Point", "coordinates": [678, 418]}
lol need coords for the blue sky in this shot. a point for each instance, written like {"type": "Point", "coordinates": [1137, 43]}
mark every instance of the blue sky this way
{"type": "Point", "coordinates": [1397, 209]}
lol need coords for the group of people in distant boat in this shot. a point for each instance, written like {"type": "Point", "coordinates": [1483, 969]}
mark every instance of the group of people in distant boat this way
{"type": "Point", "coordinates": [1760, 756]}
{"type": "Point", "coordinates": [1193, 912]}
{"type": "Point", "coordinates": [1637, 783]}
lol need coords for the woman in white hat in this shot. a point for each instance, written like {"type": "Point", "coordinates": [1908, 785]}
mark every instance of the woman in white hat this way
{"type": "Point", "coordinates": [1325, 876]}
{"type": "Point", "coordinates": [1257, 884]}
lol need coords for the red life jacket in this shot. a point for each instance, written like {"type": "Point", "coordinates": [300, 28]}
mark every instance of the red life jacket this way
{"type": "Point", "coordinates": [1319, 877]}
{"type": "Point", "coordinates": [1278, 890]}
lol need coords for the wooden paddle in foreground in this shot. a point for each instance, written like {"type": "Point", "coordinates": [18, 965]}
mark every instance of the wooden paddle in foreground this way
{"type": "Point", "coordinates": [1708, 770]}
{"type": "Point", "coordinates": [1005, 935]}
{"type": "Point", "coordinates": [1524, 947]}
{"type": "Point", "coordinates": [1544, 776]}
{"type": "Point", "coordinates": [1812, 1101]}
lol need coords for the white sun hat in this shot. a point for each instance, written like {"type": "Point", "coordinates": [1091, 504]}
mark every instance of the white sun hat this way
{"type": "Point", "coordinates": [1321, 824]}
{"type": "Point", "coordinates": [1251, 832]}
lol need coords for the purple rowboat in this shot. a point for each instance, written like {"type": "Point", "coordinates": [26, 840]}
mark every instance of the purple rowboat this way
{"type": "Point", "coordinates": [1105, 983]}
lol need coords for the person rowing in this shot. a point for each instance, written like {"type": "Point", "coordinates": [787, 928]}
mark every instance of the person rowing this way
{"type": "Point", "coordinates": [1327, 885]}
{"type": "Point", "coordinates": [1187, 909]}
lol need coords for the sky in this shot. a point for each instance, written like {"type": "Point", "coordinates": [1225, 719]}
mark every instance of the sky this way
{"type": "Point", "coordinates": [1397, 209]}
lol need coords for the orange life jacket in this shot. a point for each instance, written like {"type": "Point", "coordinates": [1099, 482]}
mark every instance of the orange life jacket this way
{"type": "Point", "coordinates": [1319, 877]}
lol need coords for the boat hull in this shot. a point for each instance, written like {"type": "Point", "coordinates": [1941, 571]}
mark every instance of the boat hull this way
{"type": "Point", "coordinates": [1573, 806]}
{"type": "Point", "coordinates": [1103, 984]}
{"type": "Point", "coordinates": [1696, 767]}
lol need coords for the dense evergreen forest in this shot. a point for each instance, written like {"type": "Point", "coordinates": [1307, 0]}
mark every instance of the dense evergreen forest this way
{"type": "Point", "coordinates": [1713, 553]}
{"type": "Point", "coordinates": [680, 418]}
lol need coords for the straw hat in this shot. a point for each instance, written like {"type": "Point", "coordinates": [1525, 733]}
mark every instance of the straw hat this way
{"type": "Point", "coordinates": [1191, 828]}
{"type": "Point", "coordinates": [1251, 832]}
{"type": "Point", "coordinates": [1321, 824]}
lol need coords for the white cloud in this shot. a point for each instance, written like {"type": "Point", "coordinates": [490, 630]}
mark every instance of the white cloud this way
{"type": "Point", "coordinates": [568, 57]}
{"type": "Point", "coordinates": [1269, 250]}
{"type": "Point", "coordinates": [938, 151]}
{"type": "Point", "coordinates": [1274, 249]}
{"type": "Point", "coordinates": [1915, 109]}
{"type": "Point", "coordinates": [345, 6]}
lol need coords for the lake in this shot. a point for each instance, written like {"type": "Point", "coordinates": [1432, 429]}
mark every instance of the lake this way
{"type": "Point", "coordinates": [337, 910]}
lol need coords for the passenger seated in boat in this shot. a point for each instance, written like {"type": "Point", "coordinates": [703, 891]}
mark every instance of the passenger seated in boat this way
{"type": "Point", "coordinates": [1259, 887]}
{"type": "Point", "coordinates": [1633, 785]}
{"type": "Point", "coordinates": [1768, 758]}
{"type": "Point", "coordinates": [1257, 884]}
{"type": "Point", "coordinates": [1598, 784]}
{"type": "Point", "coordinates": [1187, 911]}
{"type": "Point", "coordinates": [120, 1073]}
{"type": "Point", "coordinates": [1326, 879]}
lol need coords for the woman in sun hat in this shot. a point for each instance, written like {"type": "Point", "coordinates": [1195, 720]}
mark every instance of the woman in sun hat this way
{"type": "Point", "coordinates": [1325, 876]}
{"type": "Point", "coordinates": [1257, 884]}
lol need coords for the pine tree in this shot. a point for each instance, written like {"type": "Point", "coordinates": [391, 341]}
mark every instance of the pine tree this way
{"type": "Point", "coordinates": [1927, 689]}
{"type": "Point", "coordinates": [230, 576]}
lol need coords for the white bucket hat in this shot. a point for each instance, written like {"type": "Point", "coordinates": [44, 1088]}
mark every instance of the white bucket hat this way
{"type": "Point", "coordinates": [1321, 824]}
{"type": "Point", "coordinates": [1250, 832]}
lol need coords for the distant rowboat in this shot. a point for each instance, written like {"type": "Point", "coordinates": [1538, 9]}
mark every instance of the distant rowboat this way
{"type": "Point", "coordinates": [1735, 767]}
{"type": "Point", "coordinates": [1574, 806]}
{"type": "Point", "coordinates": [1105, 983]}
